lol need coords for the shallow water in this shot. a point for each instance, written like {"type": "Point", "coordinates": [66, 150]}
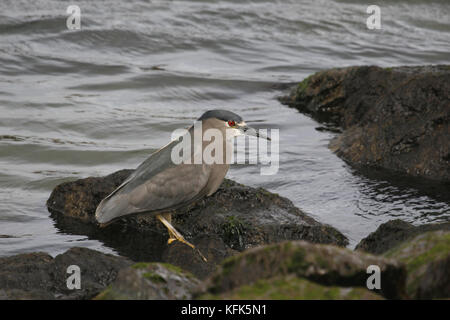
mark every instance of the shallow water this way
{"type": "Point", "coordinates": [86, 103]}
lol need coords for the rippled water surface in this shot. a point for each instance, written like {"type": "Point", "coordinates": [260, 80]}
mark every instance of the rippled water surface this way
{"type": "Point", "coordinates": [86, 103]}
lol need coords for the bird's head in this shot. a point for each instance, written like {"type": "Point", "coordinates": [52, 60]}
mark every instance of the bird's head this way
{"type": "Point", "coordinates": [233, 122]}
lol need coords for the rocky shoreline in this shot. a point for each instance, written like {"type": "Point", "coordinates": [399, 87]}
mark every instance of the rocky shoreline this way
{"type": "Point", "coordinates": [258, 244]}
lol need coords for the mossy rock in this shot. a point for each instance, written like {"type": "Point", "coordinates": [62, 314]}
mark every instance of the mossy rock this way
{"type": "Point", "coordinates": [394, 232]}
{"type": "Point", "coordinates": [427, 260]}
{"type": "Point", "coordinates": [324, 264]}
{"type": "Point", "coordinates": [392, 118]}
{"type": "Point", "coordinates": [150, 281]}
{"type": "Point", "coordinates": [291, 287]}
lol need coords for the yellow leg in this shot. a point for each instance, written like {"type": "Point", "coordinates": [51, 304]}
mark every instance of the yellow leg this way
{"type": "Point", "coordinates": [174, 234]}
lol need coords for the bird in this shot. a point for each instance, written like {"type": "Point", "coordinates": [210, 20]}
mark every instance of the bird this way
{"type": "Point", "coordinates": [160, 186]}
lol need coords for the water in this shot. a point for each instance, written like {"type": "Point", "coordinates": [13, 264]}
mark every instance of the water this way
{"type": "Point", "coordinates": [86, 103]}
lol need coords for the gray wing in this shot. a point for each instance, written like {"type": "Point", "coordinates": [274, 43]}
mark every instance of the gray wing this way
{"type": "Point", "coordinates": [157, 185]}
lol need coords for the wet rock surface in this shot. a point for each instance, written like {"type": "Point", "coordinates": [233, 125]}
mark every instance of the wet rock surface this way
{"type": "Point", "coordinates": [427, 260]}
{"type": "Point", "coordinates": [151, 281]}
{"type": "Point", "coordinates": [393, 118]}
{"type": "Point", "coordinates": [392, 233]}
{"type": "Point", "coordinates": [235, 218]}
{"type": "Point", "coordinates": [325, 265]}
{"type": "Point", "coordinates": [40, 276]}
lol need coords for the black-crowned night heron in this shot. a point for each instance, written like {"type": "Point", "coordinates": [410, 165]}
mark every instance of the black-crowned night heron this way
{"type": "Point", "coordinates": [160, 185]}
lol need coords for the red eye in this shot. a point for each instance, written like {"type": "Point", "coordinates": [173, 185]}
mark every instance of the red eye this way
{"type": "Point", "coordinates": [231, 123]}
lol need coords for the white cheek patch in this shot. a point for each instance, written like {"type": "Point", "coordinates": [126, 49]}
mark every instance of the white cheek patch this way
{"type": "Point", "coordinates": [233, 132]}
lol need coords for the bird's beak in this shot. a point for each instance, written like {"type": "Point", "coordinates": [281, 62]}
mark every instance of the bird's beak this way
{"type": "Point", "coordinates": [249, 131]}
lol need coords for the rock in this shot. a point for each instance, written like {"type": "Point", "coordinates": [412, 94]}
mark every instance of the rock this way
{"type": "Point", "coordinates": [390, 234]}
{"type": "Point", "coordinates": [427, 260]}
{"type": "Point", "coordinates": [26, 276]}
{"type": "Point", "coordinates": [79, 199]}
{"type": "Point", "coordinates": [425, 250]}
{"type": "Point", "coordinates": [290, 287]}
{"type": "Point", "coordinates": [39, 276]}
{"type": "Point", "coordinates": [323, 264]}
{"type": "Point", "coordinates": [235, 218]}
{"type": "Point", "coordinates": [392, 118]}
{"type": "Point", "coordinates": [151, 281]}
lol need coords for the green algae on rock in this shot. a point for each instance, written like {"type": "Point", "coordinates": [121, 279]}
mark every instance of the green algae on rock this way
{"type": "Point", "coordinates": [427, 260]}
{"type": "Point", "coordinates": [390, 234]}
{"type": "Point", "coordinates": [150, 281]}
{"type": "Point", "coordinates": [290, 287]}
{"type": "Point", "coordinates": [324, 264]}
